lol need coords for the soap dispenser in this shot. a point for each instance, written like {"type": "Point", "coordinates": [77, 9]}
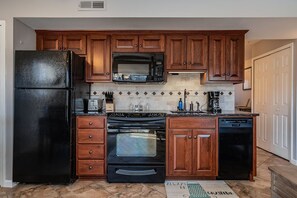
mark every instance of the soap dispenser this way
{"type": "Point", "coordinates": [180, 104]}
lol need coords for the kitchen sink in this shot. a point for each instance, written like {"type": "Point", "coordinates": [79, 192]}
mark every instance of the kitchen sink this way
{"type": "Point", "coordinates": [189, 112]}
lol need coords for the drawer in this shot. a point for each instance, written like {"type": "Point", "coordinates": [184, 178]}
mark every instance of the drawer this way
{"type": "Point", "coordinates": [90, 136]}
{"type": "Point", "coordinates": [90, 151]}
{"type": "Point", "coordinates": [192, 123]}
{"type": "Point", "coordinates": [90, 167]}
{"type": "Point", "coordinates": [90, 122]}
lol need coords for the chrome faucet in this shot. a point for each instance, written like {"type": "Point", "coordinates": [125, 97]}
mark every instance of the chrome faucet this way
{"type": "Point", "coordinates": [198, 106]}
{"type": "Point", "coordinates": [185, 100]}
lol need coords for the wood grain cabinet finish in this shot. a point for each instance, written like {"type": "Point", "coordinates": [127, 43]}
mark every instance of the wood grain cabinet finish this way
{"type": "Point", "coordinates": [192, 151]}
{"type": "Point", "coordinates": [62, 41]}
{"type": "Point", "coordinates": [90, 146]}
{"type": "Point", "coordinates": [138, 43]}
{"type": "Point", "coordinates": [187, 52]}
{"type": "Point", "coordinates": [98, 67]}
{"type": "Point", "coordinates": [226, 58]}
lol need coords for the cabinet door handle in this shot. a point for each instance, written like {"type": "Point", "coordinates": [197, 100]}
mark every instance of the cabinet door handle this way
{"type": "Point", "coordinates": [228, 74]}
{"type": "Point", "coordinates": [140, 45]}
{"type": "Point", "coordinates": [107, 73]}
{"type": "Point", "coordinates": [185, 63]}
{"type": "Point", "coordinates": [90, 152]}
{"type": "Point", "coordinates": [195, 137]}
{"type": "Point", "coordinates": [90, 123]}
{"type": "Point", "coordinates": [223, 74]}
{"type": "Point", "coordinates": [204, 136]}
{"type": "Point", "coordinates": [90, 167]}
{"type": "Point", "coordinates": [90, 136]}
{"type": "Point", "coordinates": [190, 137]}
{"type": "Point", "coordinates": [190, 63]}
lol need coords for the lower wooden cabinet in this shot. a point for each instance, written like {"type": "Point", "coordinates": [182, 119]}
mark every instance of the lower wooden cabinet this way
{"type": "Point", "coordinates": [192, 151]}
{"type": "Point", "coordinates": [90, 146]}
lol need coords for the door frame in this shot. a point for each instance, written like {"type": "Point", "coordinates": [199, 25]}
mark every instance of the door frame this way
{"type": "Point", "coordinates": [2, 104]}
{"type": "Point", "coordinates": [293, 87]}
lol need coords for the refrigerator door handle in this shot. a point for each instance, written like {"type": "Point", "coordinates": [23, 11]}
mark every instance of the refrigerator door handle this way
{"type": "Point", "coordinates": [67, 108]}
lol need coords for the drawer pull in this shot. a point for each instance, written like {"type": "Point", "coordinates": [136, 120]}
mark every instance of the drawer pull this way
{"type": "Point", "coordinates": [90, 123]}
{"type": "Point", "coordinates": [90, 152]}
{"type": "Point", "coordinates": [90, 167]}
{"type": "Point", "coordinates": [195, 137]}
{"type": "Point", "coordinates": [90, 136]}
{"type": "Point", "coordinates": [190, 137]}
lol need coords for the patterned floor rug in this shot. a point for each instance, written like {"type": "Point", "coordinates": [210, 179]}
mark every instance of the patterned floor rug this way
{"type": "Point", "coordinates": [198, 189]}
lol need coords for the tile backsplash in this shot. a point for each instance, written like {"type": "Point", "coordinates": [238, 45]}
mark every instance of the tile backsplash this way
{"type": "Point", "coordinates": [165, 96]}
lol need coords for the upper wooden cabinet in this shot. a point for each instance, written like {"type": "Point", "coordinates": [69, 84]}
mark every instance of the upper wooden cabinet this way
{"type": "Point", "coordinates": [191, 147]}
{"type": "Point", "coordinates": [98, 67]}
{"type": "Point", "coordinates": [138, 43]}
{"type": "Point", "coordinates": [187, 52]}
{"type": "Point", "coordinates": [62, 41]}
{"type": "Point", "coordinates": [226, 58]}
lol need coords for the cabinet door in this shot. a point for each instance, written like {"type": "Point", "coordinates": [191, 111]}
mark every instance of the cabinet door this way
{"type": "Point", "coordinates": [216, 69]}
{"type": "Point", "coordinates": [180, 152]}
{"type": "Point", "coordinates": [125, 43]}
{"type": "Point", "coordinates": [98, 66]}
{"type": "Point", "coordinates": [234, 57]}
{"type": "Point", "coordinates": [197, 52]}
{"type": "Point", "coordinates": [151, 43]}
{"type": "Point", "coordinates": [75, 42]}
{"type": "Point", "coordinates": [176, 52]}
{"type": "Point", "coordinates": [204, 152]}
{"type": "Point", "coordinates": [52, 41]}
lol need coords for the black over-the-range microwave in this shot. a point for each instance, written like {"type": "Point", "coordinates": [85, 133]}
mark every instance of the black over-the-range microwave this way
{"type": "Point", "coordinates": [138, 67]}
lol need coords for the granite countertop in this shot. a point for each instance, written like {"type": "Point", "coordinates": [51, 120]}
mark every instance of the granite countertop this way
{"type": "Point", "coordinates": [222, 114]}
{"type": "Point", "coordinates": [91, 113]}
{"type": "Point", "coordinates": [180, 114]}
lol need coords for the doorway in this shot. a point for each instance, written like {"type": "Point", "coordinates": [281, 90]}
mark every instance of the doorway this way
{"type": "Point", "coordinates": [272, 94]}
{"type": "Point", "coordinates": [2, 103]}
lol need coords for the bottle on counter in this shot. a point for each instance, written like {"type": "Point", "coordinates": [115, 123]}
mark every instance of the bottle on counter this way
{"type": "Point", "coordinates": [180, 104]}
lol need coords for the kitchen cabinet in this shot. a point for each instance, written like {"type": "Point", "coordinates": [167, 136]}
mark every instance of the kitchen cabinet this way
{"type": "Point", "coordinates": [98, 66]}
{"type": "Point", "coordinates": [138, 43]}
{"type": "Point", "coordinates": [90, 146]}
{"type": "Point", "coordinates": [192, 147]}
{"type": "Point", "coordinates": [226, 58]}
{"type": "Point", "coordinates": [62, 41]}
{"type": "Point", "coordinates": [187, 52]}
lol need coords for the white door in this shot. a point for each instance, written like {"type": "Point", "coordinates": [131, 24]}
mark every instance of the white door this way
{"type": "Point", "coordinates": [2, 103]}
{"type": "Point", "coordinates": [272, 99]}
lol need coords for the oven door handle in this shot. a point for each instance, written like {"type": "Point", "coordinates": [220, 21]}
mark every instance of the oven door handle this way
{"type": "Point", "coordinates": [136, 172]}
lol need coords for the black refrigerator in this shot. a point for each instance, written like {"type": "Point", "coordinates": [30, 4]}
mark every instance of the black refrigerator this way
{"type": "Point", "coordinates": [49, 87]}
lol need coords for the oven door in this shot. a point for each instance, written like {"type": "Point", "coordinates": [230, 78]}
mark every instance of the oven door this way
{"type": "Point", "coordinates": [136, 145]}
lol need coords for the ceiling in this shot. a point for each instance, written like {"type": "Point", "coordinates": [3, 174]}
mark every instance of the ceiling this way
{"type": "Point", "coordinates": [259, 28]}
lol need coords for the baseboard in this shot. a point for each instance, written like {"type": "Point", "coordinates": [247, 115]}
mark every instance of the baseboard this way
{"type": "Point", "coordinates": [294, 162]}
{"type": "Point", "coordinates": [9, 184]}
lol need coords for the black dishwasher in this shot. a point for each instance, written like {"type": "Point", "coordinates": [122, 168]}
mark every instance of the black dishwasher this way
{"type": "Point", "coordinates": [235, 148]}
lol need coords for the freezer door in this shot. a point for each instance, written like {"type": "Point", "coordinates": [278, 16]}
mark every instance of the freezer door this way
{"type": "Point", "coordinates": [42, 69]}
{"type": "Point", "coordinates": [43, 140]}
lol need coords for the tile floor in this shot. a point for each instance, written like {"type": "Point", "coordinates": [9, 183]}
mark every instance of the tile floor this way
{"type": "Point", "coordinates": [101, 189]}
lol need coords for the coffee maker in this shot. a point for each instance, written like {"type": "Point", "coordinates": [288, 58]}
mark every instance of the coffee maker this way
{"type": "Point", "coordinates": [213, 104]}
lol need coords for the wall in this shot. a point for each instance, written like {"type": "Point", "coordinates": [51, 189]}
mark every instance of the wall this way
{"type": "Point", "coordinates": [165, 96]}
{"type": "Point", "coordinates": [24, 37]}
{"type": "Point", "coordinates": [2, 102]}
{"type": "Point", "coordinates": [28, 42]}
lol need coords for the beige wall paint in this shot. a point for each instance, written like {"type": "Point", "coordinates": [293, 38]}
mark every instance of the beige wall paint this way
{"type": "Point", "coordinates": [265, 46]}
